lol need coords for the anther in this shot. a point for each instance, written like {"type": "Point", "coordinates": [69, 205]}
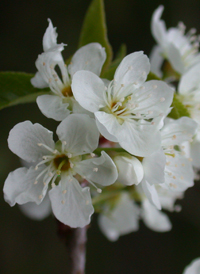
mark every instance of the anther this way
{"type": "Point", "coordinates": [155, 86]}
{"type": "Point", "coordinates": [64, 191]}
{"type": "Point", "coordinates": [173, 137]}
{"type": "Point", "coordinates": [150, 112]}
{"type": "Point", "coordinates": [95, 169]}
{"type": "Point", "coordinates": [71, 165]}
{"type": "Point", "coordinates": [99, 190]}
{"type": "Point", "coordinates": [87, 202]}
{"type": "Point", "coordinates": [69, 155]}
{"type": "Point", "coordinates": [190, 159]}
{"type": "Point", "coordinates": [35, 183]}
{"type": "Point", "coordinates": [40, 197]}
{"type": "Point", "coordinates": [63, 202]}
{"type": "Point", "coordinates": [162, 99]}
{"type": "Point", "coordinates": [44, 64]}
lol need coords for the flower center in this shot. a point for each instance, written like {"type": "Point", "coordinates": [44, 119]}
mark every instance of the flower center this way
{"type": "Point", "coordinates": [61, 162]}
{"type": "Point", "coordinates": [67, 91]}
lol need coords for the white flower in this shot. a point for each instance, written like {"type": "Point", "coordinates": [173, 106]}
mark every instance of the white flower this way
{"type": "Point", "coordinates": [130, 170]}
{"type": "Point", "coordinates": [120, 220]}
{"type": "Point", "coordinates": [169, 168]}
{"type": "Point", "coordinates": [60, 164]}
{"type": "Point", "coordinates": [61, 103]}
{"type": "Point", "coordinates": [193, 267]}
{"type": "Point", "coordinates": [189, 94]}
{"type": "Point", "coordinates": [128, 110]}
{"type": "Point", "coordinates": [179, 48]}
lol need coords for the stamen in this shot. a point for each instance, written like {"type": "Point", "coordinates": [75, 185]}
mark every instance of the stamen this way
{"type": "Point", "coordinates": [162, 99]}
{"type": "Point", "coordinates": [95, 169]}
{"type": "Point", "coordinates": [48, 148]}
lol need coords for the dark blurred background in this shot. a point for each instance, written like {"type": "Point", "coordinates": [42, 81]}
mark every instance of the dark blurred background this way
{"type": "Point", "coordinates": [33, 247]}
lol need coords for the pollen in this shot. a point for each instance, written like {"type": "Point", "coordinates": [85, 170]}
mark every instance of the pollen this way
{"type": "Point", "coordinates": [67, 91]}
{"type": "Point", "coordinates": [173, 137]}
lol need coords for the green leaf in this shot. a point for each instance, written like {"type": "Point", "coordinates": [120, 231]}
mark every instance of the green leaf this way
{"type": "Point", "coordinates": [16, 88]}
{"type": "Point", "coordinates": [109, 73]}
{"type": "Point", "coordinates": [179, 110]}
{"type": "Point", "coordinates": [94, 29]}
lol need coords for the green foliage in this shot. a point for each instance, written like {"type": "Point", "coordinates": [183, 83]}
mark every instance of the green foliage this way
{"type": "Point", "coordinates": [16, 88]}
{"type": "Point", "coordinates": [109, 73]}
{"type": "Point", "coordinates": [94, 29]}
{"type": "Point", "coordinates": [152, 76]}
{"type": "Point", "coordinates": [179, 110]}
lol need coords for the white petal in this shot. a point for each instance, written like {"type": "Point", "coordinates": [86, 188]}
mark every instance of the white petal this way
{"type": "Point", "coordinates": [155, 219]}
{"type": "Point", "coordinates": [158, 28]}
{"type": "Point", "coordinates": [78, 109]}
{"type": "Point", "coordinates": [190, 80]}
{"type": "Point", "coordinates": [133, 68]}
{"type": "Point", "coordinates": [154, 166]}
{"type": "Point", "coordinates": [46, 64]}
{"type": "Point", "coordinates": [19, 186]}
{"type": "Point", "coordinates": [104, 131]}
{"type": "Point", "coordinates": [193, 267]}
{"type": "Point", "coordinates": [175, 59]}
{"type": "Point", "coordinates": [151, 193]}
{"type": "Point", "coordinates": [90, 57]}
{"type": "Point", "coordinates": [88, 90]}
{"type": "Point", "coordinates": [179, 174]}
{"type": "Point", "coordinates": [38, 82]}
{"type": "Point", "coordinates": [50, 37]}
{"type": "Point", "coordinates": [24, 138]}
{"type": "Point", "coordinates": [122, 220]}
{"type": "Point", "coordinates": [71, 204]}
{"type": "Point", "coordinates": [52, 106]}
{"type": "Point", "coordinates": [195, 153]}
{"type": "Point", "coordinates": [156, 60]}
{"type": "Point", "coordinates": [37, 212]}
{"type": "Point", "coordinates": [140, 140]}
{"type": "Point", "coordinates": [130, 169]}
{"type": "Point", "coordinates": [101, 170]}
{"type": "Point", "coordinates": [175, 132]}
{"type": "Point", "coordinates": [80, 133]}
{"type": "Point", "coordinates": [155, 97]}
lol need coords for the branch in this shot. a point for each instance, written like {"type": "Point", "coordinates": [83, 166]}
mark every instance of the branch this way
{"type": "Point", "coordinates": [75, 240]}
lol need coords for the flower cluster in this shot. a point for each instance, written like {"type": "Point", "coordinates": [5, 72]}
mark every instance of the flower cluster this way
{"type": "Point", "coordinates": [117, 152]}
